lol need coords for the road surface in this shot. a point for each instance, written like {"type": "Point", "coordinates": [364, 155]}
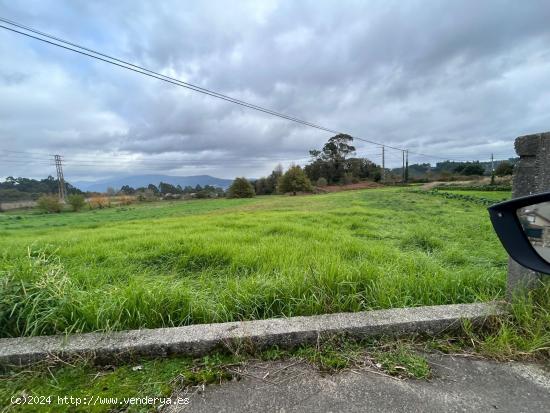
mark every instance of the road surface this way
{"type": "Point", "coordinates": [459, 384]}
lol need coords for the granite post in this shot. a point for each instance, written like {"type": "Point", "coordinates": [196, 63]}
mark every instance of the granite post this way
{"type": "Point", "coordinates": [531, 176]}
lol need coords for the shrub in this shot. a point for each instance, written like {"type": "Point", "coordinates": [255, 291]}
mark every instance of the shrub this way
{"type": "Point", "coordinates": [241, 188]}
{"type": "Point", "coordinates": [322, 182]}
{"type": "Point", "coordinates": [77, 202]}
{"type": "Point", "coordinates": [146, 196]}
{"type": "Point", "coordinates": [126, 200]}
{"type": "Point", "coordinates": [294, 180]}
{"type": "Point", "coordinates": [99, 202]}
{"type": "Point", "coordinates": [50, 203]}
{"type": "Point", "coordinates": [348, 179]}
{"type": "Point", "coordinates": [495, 188]}
{"type": "Point", "coordinates": [205, 194]}
{"type": "Point", "coordinates": [504, 168]}
{"type": "Point", "coordinates": [470, 198]}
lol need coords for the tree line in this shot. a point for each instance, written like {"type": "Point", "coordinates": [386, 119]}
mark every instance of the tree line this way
{"type": "Point", "coordinates": [27, 189]}
{"type": "Point", "coordinates": [165, 189]}
{"type": "Point", "coordinates": [448, 169]}
{"type": "Point", "coordinates": [333, 164]}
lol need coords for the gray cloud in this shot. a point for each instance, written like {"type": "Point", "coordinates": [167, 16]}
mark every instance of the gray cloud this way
{"type": "Point", "coordinates": [456, 78]}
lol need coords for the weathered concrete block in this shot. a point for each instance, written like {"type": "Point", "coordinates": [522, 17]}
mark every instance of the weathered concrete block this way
{"type": "Point", "coordinates": [197, 340]}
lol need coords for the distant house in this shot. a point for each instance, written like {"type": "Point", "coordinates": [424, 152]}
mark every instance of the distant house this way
{"type": "Point", "coordinates": [536, 223]}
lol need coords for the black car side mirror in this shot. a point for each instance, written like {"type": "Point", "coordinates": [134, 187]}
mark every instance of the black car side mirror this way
{"type": "Point", "coordinates": [523, 226]}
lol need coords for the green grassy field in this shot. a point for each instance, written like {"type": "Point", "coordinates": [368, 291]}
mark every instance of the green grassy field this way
{"type": "Point", "coordinates": [168, 264]}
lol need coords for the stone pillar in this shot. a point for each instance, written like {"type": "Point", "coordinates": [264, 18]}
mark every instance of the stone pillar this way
{"type": "Point", "coordinates": [531, 176]}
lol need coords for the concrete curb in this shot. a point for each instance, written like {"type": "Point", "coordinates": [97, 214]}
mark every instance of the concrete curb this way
{"type": "Point", "coordinates": [197, 340]}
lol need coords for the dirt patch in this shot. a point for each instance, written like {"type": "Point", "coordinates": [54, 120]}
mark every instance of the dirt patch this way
{"type": "Point", "coordinates": [450, 184]}
{"type": "Point", "coordinates": [504, 180]}
{"type": "Point", "coordinates": [351, 187]}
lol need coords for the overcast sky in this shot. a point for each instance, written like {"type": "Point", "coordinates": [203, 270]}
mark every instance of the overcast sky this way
{"type": "Point", "coordinates": [457, 79]}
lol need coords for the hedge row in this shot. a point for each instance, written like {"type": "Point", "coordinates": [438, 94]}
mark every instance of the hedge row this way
{"type": "Point", "coordinates": [500, 188]}
{"type": "Point", "coordinates": [470, 198]}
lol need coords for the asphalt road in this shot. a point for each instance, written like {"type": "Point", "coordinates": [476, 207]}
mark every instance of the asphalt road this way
{"type": "Point", "coordinates": [459, 384]}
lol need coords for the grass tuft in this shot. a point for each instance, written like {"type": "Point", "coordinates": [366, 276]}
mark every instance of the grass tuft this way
{"type": "Point", "coordinates": [402, 361]}
{"type": "Point", "coordinates": [37, 296]}
{"type": "Point", "coordinates": [522, 334]}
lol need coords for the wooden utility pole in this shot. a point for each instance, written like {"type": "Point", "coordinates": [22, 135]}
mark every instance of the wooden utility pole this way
{"type": "Point", "coordinates": [407, 165]}
{"type": "Point", "coordinates": [403, 167]}
{"type": "Point", "coordinates": [492, 170]}
{"type": "Point", "coordinates": [383, 166]}
{"type": "Point", "coordinates": [60, 179]}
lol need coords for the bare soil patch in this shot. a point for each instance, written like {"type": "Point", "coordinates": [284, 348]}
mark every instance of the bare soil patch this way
{"type": "Point", "coordinates": [352, 187]}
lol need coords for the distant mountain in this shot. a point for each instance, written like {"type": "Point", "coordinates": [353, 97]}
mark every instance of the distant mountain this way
{"type": "Point", "coordinates": [144, 180]}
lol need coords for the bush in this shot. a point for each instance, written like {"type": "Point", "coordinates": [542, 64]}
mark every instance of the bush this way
{"type": "Point", "coordinates": [99, 202]}
{"type": "Point", "coordinates": [504, 168]}
{"type": "Point", "coordinates": [77, 202]}
{"type": "Point", "coordinates": [348, 179]}
{"type": "Point", "coordinates": [322, 182]}
{"type": "Point", "coordinates": [470, 168]}
{"type": "Point", "coordinates": [294, 180]}
{"type": "Point", "coordinates": [241, 188]}
{"type": "Point", "coordinates": [50, 203]}
{"type": "Point", "coordinates": [496, 187]}
{"type": "Point", "coordinates": [470, 198]}
{"type": "Point", "coordinates": [205, 194]}
{"type": "Point", "coordinates": [146, 196]}
{"type": "Point", "coordinates": [126, 200]}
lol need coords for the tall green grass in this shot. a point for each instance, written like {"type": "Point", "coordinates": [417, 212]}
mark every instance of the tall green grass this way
{"type": "Point", "coordinates": [524, 333]}
{"type": "Point", "coordinates": [223, 260]}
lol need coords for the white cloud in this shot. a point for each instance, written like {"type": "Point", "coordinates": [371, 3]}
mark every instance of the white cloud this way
{"type": "Point", "coordinates": [458, 78]}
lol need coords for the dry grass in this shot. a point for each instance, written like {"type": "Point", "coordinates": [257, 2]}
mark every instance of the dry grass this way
{"type": "Point", "coordinates": [99, 202]}
{"type": "Point", "coordinates": [351, 187]}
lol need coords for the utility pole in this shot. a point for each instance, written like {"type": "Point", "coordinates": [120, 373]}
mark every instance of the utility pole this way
{"type": "Point", "coordinates": [403, 167]}
{"type": "Point", "coordinates": [406, 166]}
{"type": "Point", "coordinates": [383, 166]}
{"type": "Point", "coordinates": [60, 179]}
{"type": "Point", "coordinates": [492, 170]}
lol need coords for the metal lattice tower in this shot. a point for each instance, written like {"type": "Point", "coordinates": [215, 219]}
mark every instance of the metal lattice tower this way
{"type": "Point", "coordinates": [60, 179]}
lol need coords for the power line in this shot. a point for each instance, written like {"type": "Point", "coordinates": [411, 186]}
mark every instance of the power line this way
{"type": "Point", "coordinates": [172, 162]}
{"type": "Point", "coordinates": [126, 160]}
{"type": "Point", "coordinates": [94, 159]}
{"type": "Point", "coordinates": [109, 158]}
{"type": "Point", "coordinates": [24, 158]}
{"type": "Point", "coordinates": [34, 161]}
{"type": "Point", "coordinates": [16, 153]}
{"type": "Point", "coordinates": [168, 79]}
{"type": "Point", "coordinates": [147, 72]}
